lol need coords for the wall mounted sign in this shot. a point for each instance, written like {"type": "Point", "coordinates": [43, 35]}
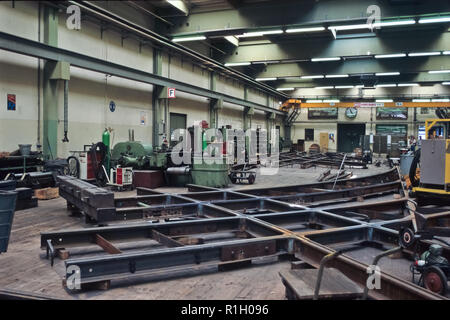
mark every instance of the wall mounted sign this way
{"type": "Point", "coordinates": [112, 106]}
{"type": "Point", "coordinates": [143, 118]}
{"type": "Point", "coordinates": [392, 113]}
{"type": "Point", "coordinates": [170, 92]}
{"type": "Point", "coordinates": [11, 102]}
{"type": "Point", "coordinates": [322, 113]}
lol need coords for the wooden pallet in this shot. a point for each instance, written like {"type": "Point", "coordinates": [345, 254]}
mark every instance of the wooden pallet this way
{"type": "Point", "coordinates": [46, 193]}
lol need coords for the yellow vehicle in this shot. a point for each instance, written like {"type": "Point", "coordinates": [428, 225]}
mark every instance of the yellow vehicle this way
{"type": "Point", "coordinates": [433, 186]}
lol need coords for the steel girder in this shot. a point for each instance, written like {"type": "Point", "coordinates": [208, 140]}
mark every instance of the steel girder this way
{"type": "Point", "coordinates": [297, 13]}
{"type": "Point", "coordinates": [31, 48]}
{"type": "Point", "coordinates": [187, 247]}
{"type": "Point", "coordinates": [356, 67]}
{"type": "Point", "coordinates": [316, 48]}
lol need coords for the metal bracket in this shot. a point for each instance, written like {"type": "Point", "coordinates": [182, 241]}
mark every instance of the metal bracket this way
{"type": "Point", "coordinates": [50, 252]}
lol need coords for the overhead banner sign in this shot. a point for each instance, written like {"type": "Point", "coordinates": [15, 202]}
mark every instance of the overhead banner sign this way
{"type": "Point", "coordinates": [368, 104]}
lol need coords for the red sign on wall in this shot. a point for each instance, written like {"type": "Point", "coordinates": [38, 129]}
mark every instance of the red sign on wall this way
{"type": "Point", "coordinates": [170, 92]}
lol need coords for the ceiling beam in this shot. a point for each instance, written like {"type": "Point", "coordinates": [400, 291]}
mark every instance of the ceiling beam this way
{"type": "Point", "coordinates": [351, 67]}
{"type": "Point", "coordinates": [180, 6]}
{"type": "Point", "coordinates": [282, 13]}
{"type": "Point", "coordinates": [314, 48]}
{"type": "Point", "coordinates": [36, 49]}
{"type": "Point", "coordinates": [423, 77]}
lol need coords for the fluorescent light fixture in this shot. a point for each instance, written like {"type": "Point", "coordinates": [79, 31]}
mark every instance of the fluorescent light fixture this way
{"type": "Point", "coordinates": [336, 76]}
{"type": "Point", "coordinates": [422, 54]}
{"type": "Point", "coordinates": [394, 23]}
{"type": "Point", "coordinates": [384, 100]}
{"type": "Point", "coordinates": [331, 101]}
{"type": "Point", "coordinates": [265, 79]}
{"type": "Point", "coordinates": [312, 29]}
{"type": "Point", "coordinates": [184, 39]}
{"type": "Point", "coordinates": [421, 100]}
{"type": "Point", "coordinates": [326, 87]}
{"type": "Point", "coordinates": [446, 52]}
{"type": "Point", "coordinates": [266, 62]}
{"type": "Point", "coordinates": [350, 27]}
{"type": "Point", "coordinates": [312, 77]}
{"type": "Point", "coordinates": [285, 89]}
{"type": "Point", "coordinates": [434, 20]}
{"type": "Point", "coordinates": [235, 64]}
{"type": "Point", "coordinates": [439, 71]}
{"type": "Point", "coordinates": [408, 84]}
{"type": "Point", "coordinates": [380, 74]}
{"type": "Point", "coordinates": [446, 83]}
{"type": "Point", "coordinates": [394, 55]}
{"type": "Point", "coordinates": [259, 33]}
{"type": "Point", "coordinates": [313, 101]}
{"type": "Point", "coordinates": [386, 85]}
{"type": "Point", "coordinates": [325, 59]}
{"type": "Point", "coordinates": [343, 87]}
{"type": "Point", "coordinates": [359, 86]}
{"type": "Point", "coordinates": [440, 100]}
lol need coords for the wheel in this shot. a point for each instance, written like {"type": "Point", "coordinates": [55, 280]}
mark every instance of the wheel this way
{"type": "Point", "coordinates": [406, 238]}
{"type": "Point", "coordinates": [251, 179]}
{"type": "Point", "coordinates": [233, 179]}
{"type": "Point", "coordinates": [435, 280]}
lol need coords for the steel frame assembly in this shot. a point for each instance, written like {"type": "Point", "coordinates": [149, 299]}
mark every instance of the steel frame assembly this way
{"type": "Point", "coordinates": [239, 228]}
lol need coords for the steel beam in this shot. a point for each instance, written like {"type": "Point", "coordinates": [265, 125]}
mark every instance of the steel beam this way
{"type": "Point", "coordinates": [423, 77]}
{"type": "Point", "coordinates": [305, 49]}
{"type": "Point", "coordinates": [50, 88]}
{"type": "Point", "coordinates": [27, 47]}
{"type": "Point", "coordinates": [298, 13]}
{"type": "Point", "coordinates": [356, 67]}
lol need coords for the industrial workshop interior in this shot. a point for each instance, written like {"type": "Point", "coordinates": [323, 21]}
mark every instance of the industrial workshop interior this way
{"type": "Point", "coordinates": [225, 154]}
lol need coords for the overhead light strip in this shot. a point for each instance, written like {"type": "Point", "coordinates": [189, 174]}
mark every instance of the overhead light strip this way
{"type": "Point", "coordinates": [434, 20]}
{"type": "Point", "coordinates": [325, 59]}
{"type": "Point", "coordinates": [185, 39]}
{"type": "Point", "coordinates": [422, 54]}
{"type": "Point", "coordinates": [380, 74]}
{"type": "Point", "coordinates": [311, 29]}
{"type": "Point", "coordinates": [236, 64]}
{"type": "Point", "coordinates": [394, 55]}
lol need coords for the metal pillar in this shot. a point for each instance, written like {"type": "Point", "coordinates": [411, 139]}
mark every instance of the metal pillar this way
{"type": "Point", "coordinates": [159, 102]}
{"type": "Point", "coordinates": [215, 104]}
{"type": "Point", "coordinates": [50, 87]}
{"type": "Point", "coordinates": [248, 112]}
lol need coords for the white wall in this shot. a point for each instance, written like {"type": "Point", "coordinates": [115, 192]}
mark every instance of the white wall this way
{"type": "Point", "coordinates": [90, 93]}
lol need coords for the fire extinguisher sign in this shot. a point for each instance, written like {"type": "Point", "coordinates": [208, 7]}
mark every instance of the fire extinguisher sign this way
{"type": "Point", "coordinates": [170, 92]}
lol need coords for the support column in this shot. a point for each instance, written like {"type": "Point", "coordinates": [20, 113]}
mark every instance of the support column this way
{"type": "Point", "coordinates": [215, 104]}
{"type": "Point", "coordinates": [50, 88]}
{"type": "Point", "coordinates": [248, 112]}
{"type": "Point", "coordinates": [159, 102]}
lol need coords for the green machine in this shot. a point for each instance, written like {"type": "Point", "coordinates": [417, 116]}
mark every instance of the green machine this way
{"type": "Point", "coordinates": [138, 155]}
{"type": "Point", "coordinates": [203, 170]}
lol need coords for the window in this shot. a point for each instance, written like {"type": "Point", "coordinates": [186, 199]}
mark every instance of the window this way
{"type": "Point", "coordinates": [309, 134]}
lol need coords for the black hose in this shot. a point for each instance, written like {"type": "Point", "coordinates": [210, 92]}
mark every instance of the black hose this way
{"type": "Point", "coordinates": [412, 170]}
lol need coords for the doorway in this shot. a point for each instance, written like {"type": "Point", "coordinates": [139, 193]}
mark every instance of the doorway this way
{"type": "Point", "coordinates": [177, 121]}
{"type": "Point", "coordinates": [348, 136]}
